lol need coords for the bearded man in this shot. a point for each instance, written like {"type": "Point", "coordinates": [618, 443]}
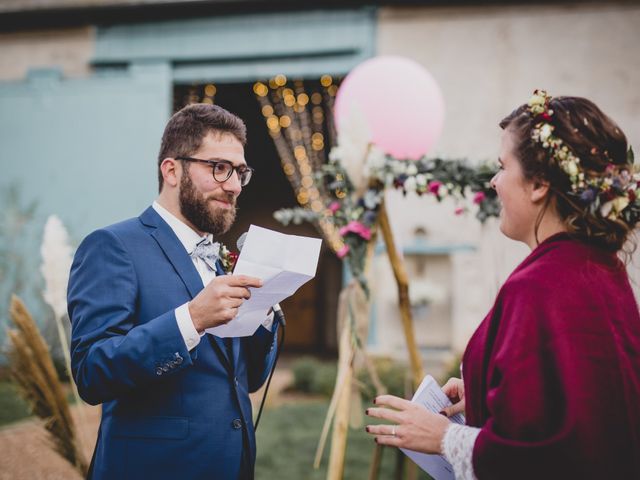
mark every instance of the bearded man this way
{"type": "Point", "coordinates": [175, 400]}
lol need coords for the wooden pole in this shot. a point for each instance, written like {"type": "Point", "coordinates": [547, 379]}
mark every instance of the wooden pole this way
{"type": "Point", "coordinates": [403, 296]}
{"type": "Point", "coordinates": [346, 354]}
{"type": "Point", "coordinates": [341, 421]}
{"type": "Point", "coordinates": [376, 461]}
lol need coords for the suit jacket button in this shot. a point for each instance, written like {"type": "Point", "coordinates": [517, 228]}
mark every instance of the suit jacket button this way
{"type": "Point", "coordinates": [237, 423]}
{"type": "Point", "coordinates": [178, 359]}
{"type": "Point", "coordinates": [159, 371]}
{"type": "Point", "coordinates": [235, 380]}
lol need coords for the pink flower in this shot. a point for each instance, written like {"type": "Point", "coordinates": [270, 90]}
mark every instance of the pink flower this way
{"type": "Point", "coordinates": [357, 228]}
{"type": "Point", "coordinates": [479, 197]}
{"type": "Point", "coordinates": [334, 207]}
{"type": "Point", "coordinates": [459, 211]}
{"type": "Point", "coordinates": [434, 187]}
{"type": "Point", "coordinates": [343, 251]}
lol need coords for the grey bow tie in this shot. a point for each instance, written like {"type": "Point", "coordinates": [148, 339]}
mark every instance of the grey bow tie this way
{"type": "Point", "coordinates": [208, 252]}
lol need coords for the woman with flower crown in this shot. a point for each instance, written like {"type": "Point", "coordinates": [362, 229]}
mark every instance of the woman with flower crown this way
{"type": "Point", "coordinates": [551, 377]}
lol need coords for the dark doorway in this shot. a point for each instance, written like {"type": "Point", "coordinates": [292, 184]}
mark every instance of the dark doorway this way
{"type": "Point", "coordinates": [311, 312]}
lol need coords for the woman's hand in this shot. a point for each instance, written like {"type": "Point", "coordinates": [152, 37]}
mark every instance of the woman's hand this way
{"type": "Point", "coordinates": [416, 428]}
{"type": "Point", "coordinates": [454, 389]}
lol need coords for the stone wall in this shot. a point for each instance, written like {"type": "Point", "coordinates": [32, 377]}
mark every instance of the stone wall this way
{"type": "Point", "coordinates": [69, 50]}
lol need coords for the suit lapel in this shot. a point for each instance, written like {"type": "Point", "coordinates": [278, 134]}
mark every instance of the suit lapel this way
{"type": "Point", "coordinates": [173, 250]}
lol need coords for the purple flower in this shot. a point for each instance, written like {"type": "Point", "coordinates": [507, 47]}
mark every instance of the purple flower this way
{"type": "Point", "coordinates": [588, 195]}
{"type": "Point", "coordinates": [369, 217]}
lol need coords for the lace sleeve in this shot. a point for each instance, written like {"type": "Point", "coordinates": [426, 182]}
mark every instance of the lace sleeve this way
{"type": "Point", "coordinates": [457, 448]}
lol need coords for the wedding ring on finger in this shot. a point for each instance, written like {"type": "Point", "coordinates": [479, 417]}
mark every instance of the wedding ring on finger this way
{"type": "Point", "coordinates": [393, 431]}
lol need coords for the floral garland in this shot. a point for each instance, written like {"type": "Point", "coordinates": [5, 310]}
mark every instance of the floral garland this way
{"type": "Point", "coordinates": [614, 195]}
{"type": "Point", "coordinates": [355, 213]}
{"type": "Point", "coordinates": [440, 178]}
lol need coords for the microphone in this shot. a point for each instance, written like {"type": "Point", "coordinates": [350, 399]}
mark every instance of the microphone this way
{"type": "Point", "coordinates": [277, 311]}
{"type": "Point", "coordinates": [240, 242]}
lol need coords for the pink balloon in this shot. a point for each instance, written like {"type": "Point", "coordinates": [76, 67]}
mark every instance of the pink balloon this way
{"type": "Point", "coordinates": [401, 101]}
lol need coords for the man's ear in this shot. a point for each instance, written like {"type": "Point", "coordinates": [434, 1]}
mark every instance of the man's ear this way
{"type": "Point", "coordinates": [171, 171]}
{"type": "Point", "coordinates": [540, 190]}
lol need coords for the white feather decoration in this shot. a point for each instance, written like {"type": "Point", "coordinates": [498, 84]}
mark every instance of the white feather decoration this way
{"type": "Point", "coordinates": [56, 263]}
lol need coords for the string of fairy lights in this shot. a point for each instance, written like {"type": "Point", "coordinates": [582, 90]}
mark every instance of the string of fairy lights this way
{"type": "Point", "coordinates": [301, 131]}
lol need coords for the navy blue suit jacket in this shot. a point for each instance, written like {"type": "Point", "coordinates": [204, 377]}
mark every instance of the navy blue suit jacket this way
{"type": "Point", "coordinates": [168, 413]}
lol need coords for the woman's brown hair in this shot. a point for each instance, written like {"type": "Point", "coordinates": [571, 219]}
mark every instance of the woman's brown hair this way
{"type": "Point", "coordinates": [592, 137]}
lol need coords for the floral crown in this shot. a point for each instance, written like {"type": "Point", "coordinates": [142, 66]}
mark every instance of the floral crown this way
{"type": "Point", "coordinates": [614, 194]}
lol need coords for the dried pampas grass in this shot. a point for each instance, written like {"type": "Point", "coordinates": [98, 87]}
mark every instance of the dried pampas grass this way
{"type": "Point", "coordinates": [33, 370]}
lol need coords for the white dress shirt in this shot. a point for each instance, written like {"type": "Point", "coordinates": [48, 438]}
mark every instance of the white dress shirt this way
{"type": "Point", "coordinates": [189, 239]}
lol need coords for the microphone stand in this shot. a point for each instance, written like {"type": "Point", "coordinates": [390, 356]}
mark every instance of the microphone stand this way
{"type": "Point", "coordinates": [278, 315]}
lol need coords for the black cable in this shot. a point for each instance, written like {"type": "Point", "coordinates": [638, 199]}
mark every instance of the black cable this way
{"type": "Point", "coordinates": [279, 316]}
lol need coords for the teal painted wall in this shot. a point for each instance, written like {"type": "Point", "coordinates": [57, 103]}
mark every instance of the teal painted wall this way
{"type": "Point", "coordinates": [245, 48]}
{"type": "Point", "coordinates": [84, 150]}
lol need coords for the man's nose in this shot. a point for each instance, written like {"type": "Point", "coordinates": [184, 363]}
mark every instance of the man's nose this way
{"type": "Point", "coordinates": [232, 184]}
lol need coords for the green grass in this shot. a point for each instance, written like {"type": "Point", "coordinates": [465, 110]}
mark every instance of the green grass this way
{"type": "Point", "coordinates": [287, 438]}
{"type": "Point", "coordinates": [12, 407]}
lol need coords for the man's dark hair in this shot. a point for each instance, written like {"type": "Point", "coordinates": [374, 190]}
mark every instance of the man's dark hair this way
{"type": "Point", "coordinates": [187, 128]}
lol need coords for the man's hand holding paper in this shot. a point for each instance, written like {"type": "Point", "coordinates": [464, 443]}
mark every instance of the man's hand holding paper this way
{"type": "Point", "coordinates": [283, 262]}
{"type": "Point", "coordinates": [218, 303]}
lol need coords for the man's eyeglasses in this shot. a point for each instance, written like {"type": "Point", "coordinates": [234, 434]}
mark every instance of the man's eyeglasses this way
{"type": "Point", "coordinates": [222, 169]}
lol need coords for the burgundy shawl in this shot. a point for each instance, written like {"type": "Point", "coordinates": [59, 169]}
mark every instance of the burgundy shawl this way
{"type": "Point", "coordinates": [552, 374]}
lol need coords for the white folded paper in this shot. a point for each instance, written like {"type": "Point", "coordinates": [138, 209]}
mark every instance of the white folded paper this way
{"type": "Point", "coordinates": [431, 396]}
{"type": "Point", "coordinates": [283, 262]}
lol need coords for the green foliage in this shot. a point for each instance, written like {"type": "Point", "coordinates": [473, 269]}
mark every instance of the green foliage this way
{"type": "Point", "coordinates": [19, 254]}
{"type": "Point", "coordinates": [12, 406]}
{"type": "Point", "coordinates": [61, 369]}
{"type": "Point", "coordinates": [315, 377]}
{"type": "Point", "coordinates": [13, 229]}
{"type": "Point", "coordinates": [393, 375]}
{"type": "Point", "coordinates": [453, 370]}
{"type": "Point", "coordinates": [324, 380]}
{"type": "Point", "coordinates": [312, 376]}
{"type": "Point", "coordinates": [303, 372]}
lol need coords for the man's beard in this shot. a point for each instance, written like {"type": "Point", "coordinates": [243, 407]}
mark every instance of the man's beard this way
{"type": "Point", "coordinates": [202, 213]}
